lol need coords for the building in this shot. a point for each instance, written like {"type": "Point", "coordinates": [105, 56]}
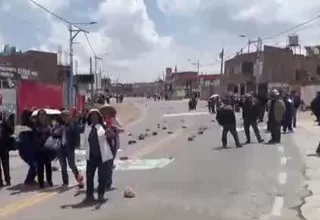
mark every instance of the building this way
{"type": "Point", "coordinates": [209, 85]}
{"type": "Point", "coordinates": [44, 63]}
{"type": "Point", "coordinates": [181, 84]}
{"type": "Point", "coordinates": [276, 68]}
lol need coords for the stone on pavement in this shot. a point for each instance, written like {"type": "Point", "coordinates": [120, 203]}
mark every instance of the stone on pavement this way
{"type": "Point", "coordinates": [129, 193]}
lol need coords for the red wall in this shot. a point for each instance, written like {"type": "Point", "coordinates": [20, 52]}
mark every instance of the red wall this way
{"type": "Point", "coordinates": [33, 93]}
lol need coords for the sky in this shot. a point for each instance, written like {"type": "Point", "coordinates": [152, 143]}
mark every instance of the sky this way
{"type": "Point", "coordinates": [138, 39]}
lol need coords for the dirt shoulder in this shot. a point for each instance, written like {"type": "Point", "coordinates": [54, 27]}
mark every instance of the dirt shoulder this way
{"type": "Point", "coordinates": [127, 112]}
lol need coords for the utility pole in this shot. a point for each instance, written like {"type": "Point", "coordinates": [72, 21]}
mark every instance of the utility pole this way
{"type": "Point", "coordinates": [96, 58]}
{"type": "Point", "coordinates": [71, 93]}
{"type": "Point", "coordinates": [259, 49]}
{"type": "Point", "coordinates": [91, 73]}
{"type": "Point", "coordinates": [222, 61]}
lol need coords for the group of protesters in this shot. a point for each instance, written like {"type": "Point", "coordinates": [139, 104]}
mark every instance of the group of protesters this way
{"type": "Point", "coordinates": [281, 108]}
{"type": "Point", "coordinates": [45, 136]}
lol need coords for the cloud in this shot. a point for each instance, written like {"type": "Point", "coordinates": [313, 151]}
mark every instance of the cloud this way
{"type": "Point", "coordinates": [138, 39]}
{"type": "Point", "coordinates": [53, 5]}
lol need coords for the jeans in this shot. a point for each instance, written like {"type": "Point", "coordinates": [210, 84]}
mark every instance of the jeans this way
{"type": "Point", "coordinates": [103, 175]}
{"type": "Point", "coordinates": [294, 117]}
{"type": "Point", "coordinates": [253, 124]}
{"type": "Point", "coordinates": [43, 162]}
{"type": "Point", "coordinates": [232, 129]}
{"type": "Point", "coordinates": [32, 172]}
{"type": "Point", "coordinates": [287, 123]}
{"type": "Point", "coordinates": [5, 163]}
{"type": "Point", "coordinates": [66, 157]}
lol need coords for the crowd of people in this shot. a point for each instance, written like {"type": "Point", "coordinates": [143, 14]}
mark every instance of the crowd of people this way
{"type": "Point", "coordinates": [45, 137]}
{"type": "Point", "coordinates": [281, 108]}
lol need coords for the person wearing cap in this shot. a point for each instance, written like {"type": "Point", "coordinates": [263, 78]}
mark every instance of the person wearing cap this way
{"type": "Point", "coordinates": [250, 114]}
{"type": "Point", "coordinates": [275, 116]}
{"type": "Point", "coordinates": [67, 132]}
{"type": "Point", "coordinates": [98, 154]}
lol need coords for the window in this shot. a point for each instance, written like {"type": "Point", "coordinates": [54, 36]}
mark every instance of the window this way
{"type": "Point", "coordinates": [297, 75]}
{"type": "Point", "coordinates": [318, 70]}
{"type": "Point", "coordinates": [5, 84]}
{"type": "Point", "coordinates": [247, 67]}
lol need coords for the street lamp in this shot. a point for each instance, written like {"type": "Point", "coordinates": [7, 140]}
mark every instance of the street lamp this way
{"type": "Point", "coordinates": [249, 41]}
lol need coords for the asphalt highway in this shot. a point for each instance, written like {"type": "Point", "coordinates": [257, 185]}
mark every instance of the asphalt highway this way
{"type": "Point", "coordinates": [177, 178]}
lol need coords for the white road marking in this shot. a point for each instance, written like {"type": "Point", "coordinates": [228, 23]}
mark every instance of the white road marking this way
{"type": "Point", "coordinates": [282, 178]}
{"type": "Point", "coordinates": [277, 206]}
{"type": "Point", "coordinates": [186, 114]}
{"type": "Point", "coordinates": [283, 161]}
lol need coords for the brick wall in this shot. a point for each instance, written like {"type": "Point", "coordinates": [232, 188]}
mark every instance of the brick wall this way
{"type": "Point", "coordinates": [42, 62]}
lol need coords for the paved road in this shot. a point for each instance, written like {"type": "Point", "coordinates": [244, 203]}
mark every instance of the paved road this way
{"type": "Point", "coordinates": [202, 181]}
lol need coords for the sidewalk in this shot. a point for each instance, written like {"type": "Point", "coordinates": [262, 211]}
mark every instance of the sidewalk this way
{"type": "Point", "coordinates": [307, 137]}
{"type": "Point", "coordinates": [306, 121]}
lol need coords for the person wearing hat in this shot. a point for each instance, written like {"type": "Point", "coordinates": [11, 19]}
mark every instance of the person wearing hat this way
{"type": "Point", "coordinates": [67, 132]}
{"type": "Point", "coordinates": [275, 116]}
{"type": "Point", "coordinates": [98, 154]}
{"type": "Point", "coordinates": [250, 114]}
{"type": "Point", "coordinates": [114, 128]}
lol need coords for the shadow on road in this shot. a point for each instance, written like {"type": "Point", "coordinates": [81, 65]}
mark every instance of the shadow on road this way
{"type": "Point", "coordinates": [313, 155]}
{"type": "Point", "coordinates": [80, 192]}
{"type": "Point", "coordinates": [23, 188]}
{"type": "Point", "coordinates": [224, 148]}
{"type": "Point", "coordinates": [96, 204]}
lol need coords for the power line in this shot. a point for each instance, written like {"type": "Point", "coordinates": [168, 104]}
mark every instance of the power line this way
{"type": "Point", "coordinates": [291, 29]}
{"type": "Point", "coordinates": [90, 45]}
{"type": "Point", "coordinates": [50, 12]}
{"type": "Point", "coordinates": [65, 21]}
{"type": "Point", "coordinates": [299, 27]}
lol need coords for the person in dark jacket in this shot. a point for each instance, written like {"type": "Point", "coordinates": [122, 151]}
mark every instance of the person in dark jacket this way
{"type": "Point", "coordinates": [227, 119]}
{"type": "Point", "coordinates": [6, 144]}
{"type": "Point", "coordinates": [41, 133]}
{"type": "Point", "coordinates": [26, 150]}
{"type": "Point", "coordinates": [68, 132]}
{"type": "Point", "coordinates": [315, 107]}
{"type": "Point", "coordinates": [288, 114]}
{"type": "Point", "coordinates": [98, 154]}
{"type": "Point", "coordinates": [276, 111]}
{"type": "Point", "coordinates": [250, 115]}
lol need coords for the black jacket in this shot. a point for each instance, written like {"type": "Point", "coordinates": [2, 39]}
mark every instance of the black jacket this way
{"type": "Point", "coordinates": [226, 116]}
{"type": "Point", "coordinates": [250, 111]}
{"type": "Point", "coordinates": [6, 140]}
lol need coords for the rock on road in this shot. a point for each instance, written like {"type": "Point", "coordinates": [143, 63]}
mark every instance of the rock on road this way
{"type": "Point", "coordinates": [202, 181]}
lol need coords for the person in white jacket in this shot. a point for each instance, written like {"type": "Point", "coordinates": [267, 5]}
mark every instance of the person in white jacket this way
{"type": "Point", "coordinates": [98, 154]}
